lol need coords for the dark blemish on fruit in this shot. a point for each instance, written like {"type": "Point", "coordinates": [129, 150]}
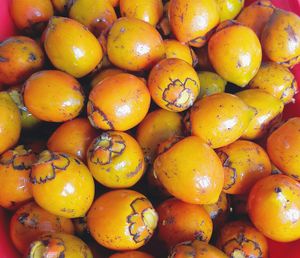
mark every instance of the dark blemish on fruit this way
{"type": "Point", "coordinates": [106, 147]}
{"type": "Point", "coordinates": [137, 169]}
{"type": "Point", "coordinates": [95, 110]}
{"type": "Point", "coordinates": [289, 62]}
{"type": "Point", "coordinates": [178, 95]}
{"type": "Point", "coordinates": [291, 33]}
{"type": "Point", "coordinates": [77, 161]}
{"type": "Point", "coordinates": [32, 57]}
{"type": "Point", "coordinates": [200, 235]}
{"type": "Point", "coordinates": [199, 40]}
{"type": "Point", "coordinates": [277, 190]}
{"type": "Point", "coordinates": [3, 59]}
{"type": "Point", "coordinates": [51, 168]}
{"type": "Point", "coordinates": [239, 64]}
{"type": "Point", "coordinates": [138, 228]}
{"type": "Point", "coordinates": [231, 178]}
{"type": "Point", "coordinates": [23, 217]}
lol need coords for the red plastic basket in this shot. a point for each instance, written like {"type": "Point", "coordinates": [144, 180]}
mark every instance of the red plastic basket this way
{"type": "Point", "coordinates": [277, 250]}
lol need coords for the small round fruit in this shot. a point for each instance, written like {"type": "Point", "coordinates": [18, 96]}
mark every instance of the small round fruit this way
{"type": "Point", "coordinates": [31, 221]}
{"type": "Point", "coordinates": [15, 166]}
{"type": "Point", "coordinates": [146, 10]}
{"type": "Point", "coordinates": [174, 84]}
{"type": "Point", "coordinates": [104, 74]}
{"type": "Point", "coordinates": [10, 122]}
{"type": "Point", "coordinates": [116, 160]}
{"type": "Point", "coordinates": [19, 58]}
{"type": "Point", "coordinates": [229, 9]}
{"type": "Point", "coordinates": [127, 222]}
{"type": "Point", "coordinates": [191, 171]}
{"type": "Point", "coordinates": [244, 163]}
{"type": "Point", "coordinates": [134, 45]}
{"type": "Point", "coordinates": [131, 254]}
{"type": "Point", "coordinates": [239, 239]}
{"type": "Point", "coordinates": [180, 221]}
{"type": "Point", "coordinates": [235, 53]}
{"type": "Point", "coordinates": [31, 16]}
{"type": "Point", "coordinates": [59, 245]}
{"type": "Point", "coordinates": [191, 21]}
{"type": "Point", "coordinates": [211, 83]}
{"type": "Point", "coordinates": [220, 119]}
{"type": "Point", "coordinates": [276, 197]}
{"type": "Point", "coordinates": [175, 49]}
{"type": "Point", "coordinates": [283, 147]}
{"type": "Point", "coordinates": [151, 131]}
{"type": "Point", "coordinates": [281, 38]}
{"type": "Point", "coordinates": [218, 211]}
{"type": "Point", "coordinates": [78, 54]}
{"type": "Point", "coordinates": [62, 185]}
{"type": "Point", "coordinates": [256, 15]}
{"type": "Point", "coordinates": [267, 110]}
{"type": "Point", "coordinates": [28, 120]}
{"type": "Point", "coordinates": [119, 103]}
{"type": "Point", "coordinates": [96, 15]}
{"type": "Point", "coordinates": [198, 249]}
{"type": "Point", "coordinates": [73, 137]}
{"type": "Point", "coordinates": [53, 96]}
{"type": "Point", "coordinates": [277, 80]}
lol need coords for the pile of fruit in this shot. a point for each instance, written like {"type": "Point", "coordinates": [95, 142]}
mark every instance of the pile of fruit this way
{"type": "Point", "coordinates": [149, 128]}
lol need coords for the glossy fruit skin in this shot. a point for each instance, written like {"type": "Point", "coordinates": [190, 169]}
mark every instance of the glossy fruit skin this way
{"type": "Point", "coordinates": [240, 238]}
{"type": "Point", "coordinates": [19, 58]}
{"type": "Point", "coordinates": [31, 16]}
{"type": "Point", "coordinates": [277, 80]}
{"type": "Point", "coordinates": [31, 221]}
{"type": "Point", "coordinates": [218, 211]}
{"type": "Point", "coordinates": [116, 160]}
{"type": "Point", "coordinates": [187, 163]}
{"type": "Point", "coordinates": [244, 164]}
{"type": "Point", "coordinates": [277, 197]}
{"type": "Point", "coordinates": [78, 54]}
{"type": "Point", "coordinates": [73, 137]}
{"type": "Point", "coordinates": [184, 16]}
{"type": "Point", "coordinates": [118, 103]}
{"type": "Point", "coordinates": [15, 165]}
{"type": "Point", "coordinates": [220, 119]}
{"type": "Point", "coordinates": [175, 49]}
{"type": "Point", "coordinates": [28, 120]}
{"type": "Point", "coordinates": [103, 74]}
{"type": "Point", "coordinates": [229, 9]}
{"type": "Point", "coordinates": [173, 84]}
{"type": "Point", "coordinates": [127, 224]}
{"type": "Point", "coordinates": [10, 122]}
{"type": "Point", "coordinates": [59, 245]}
{"type": "Point", "coordinates": [198, 249]}
{"type": "Point", "coordinates": [131, 254]}
{"type": "Point", "coordinates": [235, 53]}
{"type": "Point", "coordinates": [53, 96]}
{"type": "Point", "coordinates": [281, 38]}
{"type": "Point", "coordinates": [180, 221]}
{"type": "Point", "coordinates": [283, 147]}
{"type": "Point", "coordinates": [256, 15]}
{"type": "Point", "coordinates": [211, 83]}
{"type": "Point", "coordinates": [62, 184]}
{"type": "Point", "coordinates": [95, 15]}
{"type": "Point", "coordinates": [267, 110]}
{"type": "Point", "coordinates": [147, 10]}
{"type": "Point", "coordinates": [151, 131]}
{"type": "Point", "coordinates": [126, 48]}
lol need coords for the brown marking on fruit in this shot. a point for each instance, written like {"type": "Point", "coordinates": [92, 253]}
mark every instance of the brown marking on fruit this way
{"type": "Point", "coordinates": [106, 147]}
{"type": "Point", "coordinates": [136, 170]}
{"type": "Point", "coordinates": [3, 59]}
{"type": "Point", "coordinates": [230, 171]}
{"type": "Point", "coordinates": [97, 111]}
